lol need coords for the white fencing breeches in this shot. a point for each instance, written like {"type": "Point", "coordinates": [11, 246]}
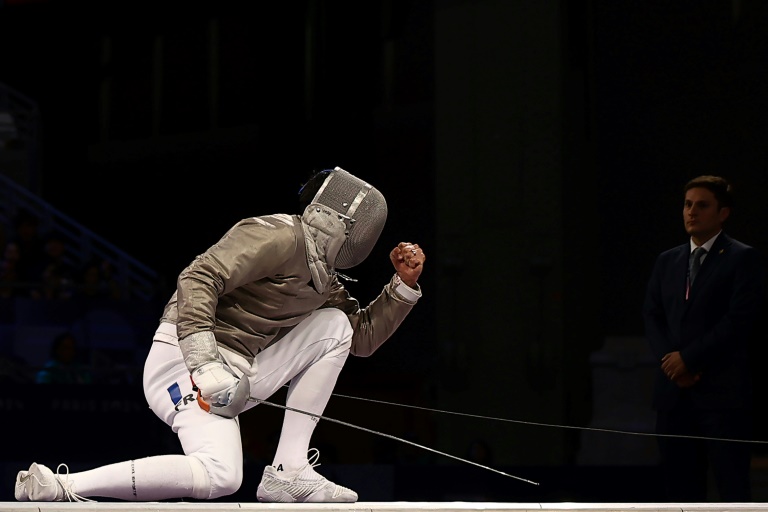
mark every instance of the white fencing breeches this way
{"type": "Point", "coordinates": [311, 357]}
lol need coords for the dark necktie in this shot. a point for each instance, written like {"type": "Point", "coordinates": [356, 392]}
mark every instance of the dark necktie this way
{"type": "Point", "coordinates": [693, 267]}
{"type": "Point", "coordinates": [698, 253]}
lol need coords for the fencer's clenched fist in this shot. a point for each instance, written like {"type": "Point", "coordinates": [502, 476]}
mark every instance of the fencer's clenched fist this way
{"type": "Point", "coordinates": [408, 260]}
{"type": "Point", "coordinates": [217, 383]}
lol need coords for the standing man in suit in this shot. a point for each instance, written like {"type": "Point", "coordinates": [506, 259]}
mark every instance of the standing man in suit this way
{"type": "Point", "coordinates": [699, 318]}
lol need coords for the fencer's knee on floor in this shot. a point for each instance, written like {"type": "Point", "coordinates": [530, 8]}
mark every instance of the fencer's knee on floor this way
{"type": "Point", "coordinates": [215, 478]}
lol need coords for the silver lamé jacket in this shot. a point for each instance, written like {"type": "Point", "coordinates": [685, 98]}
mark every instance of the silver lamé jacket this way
{"type": "Point", "coordinates": [254, 285]}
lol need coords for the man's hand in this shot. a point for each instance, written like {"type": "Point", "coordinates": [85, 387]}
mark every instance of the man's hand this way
{"type": "Point", "coordinates": [675, 369]}
{"type": "Point", "coordinates": [408, 260]}
{"type": "Point", "coordinates": [217, 383]}
{"type": "Point", "coordinates": [673, 365]}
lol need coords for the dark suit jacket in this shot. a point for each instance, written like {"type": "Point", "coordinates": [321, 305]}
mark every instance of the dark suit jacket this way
{"type": "Point", "coordinates": [713, 329]}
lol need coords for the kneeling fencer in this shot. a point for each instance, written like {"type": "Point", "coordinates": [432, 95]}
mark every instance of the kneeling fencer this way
{"type": "Point", "coordinates": [262, 307]}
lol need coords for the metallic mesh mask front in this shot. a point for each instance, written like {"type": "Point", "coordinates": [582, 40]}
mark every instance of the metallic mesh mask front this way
{"type": "Point", "coordinates": [361, 207]}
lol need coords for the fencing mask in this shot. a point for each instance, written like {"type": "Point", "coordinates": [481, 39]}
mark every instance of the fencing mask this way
{"type": "Point", "coordinates": [346, 218]}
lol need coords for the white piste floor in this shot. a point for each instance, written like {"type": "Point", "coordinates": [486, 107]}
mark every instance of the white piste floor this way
{"type": "Point", "coordinates": [397, 506]}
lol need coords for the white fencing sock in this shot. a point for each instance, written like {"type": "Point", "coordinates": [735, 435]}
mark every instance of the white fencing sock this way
{"type": "Point", "coordinates": [149, 479]}
{"type": "Point", "coordinates": [309, 391]}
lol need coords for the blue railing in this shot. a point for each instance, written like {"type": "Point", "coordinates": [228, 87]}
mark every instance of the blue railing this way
{"type": "Point", "coordinates": [136, 280]}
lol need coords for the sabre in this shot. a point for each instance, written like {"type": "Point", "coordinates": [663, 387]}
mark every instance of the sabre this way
{"type": "Point", "coordinates": [242, 396]}
{"type": "Point", "coordinates": [258, 400]}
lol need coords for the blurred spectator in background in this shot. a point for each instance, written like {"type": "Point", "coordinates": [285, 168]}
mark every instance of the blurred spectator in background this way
{"type": "Point", "coordinates": [98, 280]}
{"type": "Point", "coordinates": [9, 273]}
{"type": "Point", "coordinates": [58, 276]}
{"type": "Point", "coordinates": [31, 251]}
{"type": "Point", "coordinates": [64, 365]}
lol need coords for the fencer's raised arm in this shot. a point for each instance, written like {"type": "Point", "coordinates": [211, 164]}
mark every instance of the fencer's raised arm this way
{"type": "Point", "coordinates": [375, 323]}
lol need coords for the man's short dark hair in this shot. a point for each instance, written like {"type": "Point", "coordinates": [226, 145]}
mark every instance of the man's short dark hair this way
{"type": "Point", "coordinates": [719, 186]}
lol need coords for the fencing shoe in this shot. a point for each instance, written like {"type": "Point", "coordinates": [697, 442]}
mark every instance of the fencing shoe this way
{"type": "Point", "coordinates": [304, 485]}
{"type": "Point", "coordinates": [43, 485]}
{"type": "Point", "coordinates": [20, 491]}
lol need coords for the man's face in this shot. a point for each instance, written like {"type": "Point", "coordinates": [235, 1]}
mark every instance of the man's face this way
{"type": "Point", "coordinates": [703, 219]}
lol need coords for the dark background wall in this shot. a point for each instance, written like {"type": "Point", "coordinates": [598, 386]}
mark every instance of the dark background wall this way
{"type": "Point", "coordinates": [536, 150]}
